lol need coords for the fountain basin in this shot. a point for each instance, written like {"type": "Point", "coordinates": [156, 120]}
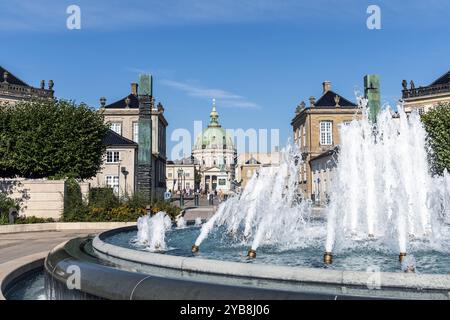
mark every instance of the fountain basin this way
{"type": "Point", "coordinates": [108, 271]}
{"type": "Point", "coordinates": [298, 280]}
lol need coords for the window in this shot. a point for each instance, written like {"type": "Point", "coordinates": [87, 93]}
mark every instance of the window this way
{"type": "Point", "coordinates": [304, 136]}
{"type": "Point", "coordinates": [222, 182]}
{"type": "Point", "coordinates": [421, 110]}
{"type": "Point", "coordinates": [113, 182]}
{"type": "Point", "coordinates": [136, 132]}
{"type": "Point", "coordinates": [187, 174]}
{"type": "Point", "coordinates": [170, 174]}
{"type": "Point", "coordinates": [116, 127]}
{"type": "Point", "coordinates": [188, 185]}
{"type": "Point", "coordinates": [112, 156]}
{"type": "Point", "coordinates": [326, 135]}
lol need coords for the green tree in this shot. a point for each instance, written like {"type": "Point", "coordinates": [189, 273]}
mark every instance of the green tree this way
{"type": "Point", "coordinates": [437, 125]}
{"type": "Point", "coordinates": [50, 139]}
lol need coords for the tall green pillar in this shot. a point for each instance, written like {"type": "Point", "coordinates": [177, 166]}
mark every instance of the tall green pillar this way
{"type": "Point", "coordinates": [372, 94]}
{"type": "Point", "coordinates": [144, 172]}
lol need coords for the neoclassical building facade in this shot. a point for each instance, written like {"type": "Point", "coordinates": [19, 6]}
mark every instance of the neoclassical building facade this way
{"type": "Point", "coordinates": [120, 168]}
{"type": "Point", "coordinates": [316, 131]}
{"type": "Point", "coordinates": [214, 155]}
{"type": "Point", "coordinates": [424, 98]}
{"type": "Point", "coordinates": [13, 89]}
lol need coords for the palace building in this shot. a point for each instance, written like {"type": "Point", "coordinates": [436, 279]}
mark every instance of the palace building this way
{"type": "Point", "coordinates": [424, 98]}
{"type": "Point", "coordinates": [12, 89]}
{"type": "Point", "coordinates": [120, 168]}
{"type": "Point", "coordinates": [316, 131]}
{"type": "Point", "coordinates": [248, 163]}
{"type": "Point", "coordinates": [214, 154]}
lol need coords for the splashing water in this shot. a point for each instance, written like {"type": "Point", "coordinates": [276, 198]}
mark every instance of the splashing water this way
{"type": "Point", "coordinates": [181, 223]}
{"type": "Point", "coordinates": [269, 210]}
{"type": "Point", "coordinates": [383, 187]}
{"type": "Point", "coordinates": [152, 231]}
{"type": "Point", "coordinates": [198, 222]}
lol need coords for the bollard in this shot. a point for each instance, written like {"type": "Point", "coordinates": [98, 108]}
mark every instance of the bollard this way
{"type": "Point", "coordinates": [196, 202]}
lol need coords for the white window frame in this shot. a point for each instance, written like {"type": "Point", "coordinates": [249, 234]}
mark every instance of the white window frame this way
{"type": "Point", "coordinates": [115, 157]}
{"type": "Point", "coordinates": [136, 132]}
{"type": "Point", "coordinates": [326, 133]}
{"type": "Point", "coordinates": [112, 182]}
{"type": "Point", "coordinates": [116, 127]}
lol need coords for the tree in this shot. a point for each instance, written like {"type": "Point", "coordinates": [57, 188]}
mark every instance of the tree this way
{"type": "Point", "coordinates": [50, 139]}
{"type": "Point", "coordinates": [437, 125]}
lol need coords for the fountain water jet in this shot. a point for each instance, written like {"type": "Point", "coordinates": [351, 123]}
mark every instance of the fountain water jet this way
{"type": "Point", "coordinates": [390, 193]}
{"type": "Point", "coordinates": [268, 211]}
{"type": "Point", "coordinates": [152, 231]}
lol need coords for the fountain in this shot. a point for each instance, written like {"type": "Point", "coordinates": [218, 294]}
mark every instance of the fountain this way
{"type": "Point", "coordinates": [269, 210]}
{"type": "Point", "coordinates": [152, 231]}
{"type": "Point", "coordinates": [390, 195]}
{"type": "Point", "coordinates": [384, 204]}
{"type": "Point", "coordinates": [181, 223]}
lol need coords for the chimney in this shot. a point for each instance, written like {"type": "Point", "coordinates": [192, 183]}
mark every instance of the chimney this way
{"type": "Point", "coordinates": [134, 88]}
{"type": "Point", "coordinates": [326, 86]}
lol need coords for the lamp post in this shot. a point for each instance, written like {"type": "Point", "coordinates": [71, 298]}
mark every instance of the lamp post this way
{"type": "Point", "coordinates": [180, 181]}
{"type": "Point", "coordinates": [125, 174]}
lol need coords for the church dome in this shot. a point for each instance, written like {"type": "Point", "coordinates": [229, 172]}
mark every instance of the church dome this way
{"type": "Point", "coordinates": [214, 136]}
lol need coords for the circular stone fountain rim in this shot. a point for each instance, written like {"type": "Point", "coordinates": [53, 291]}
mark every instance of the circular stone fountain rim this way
{"type": "Point", "coordinates": [269, 272]}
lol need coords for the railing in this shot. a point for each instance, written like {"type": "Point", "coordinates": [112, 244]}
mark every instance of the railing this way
{"type": "Point", "coordinates": [14, 90]}
{"type": "Point", "coordinates": [426, 91]}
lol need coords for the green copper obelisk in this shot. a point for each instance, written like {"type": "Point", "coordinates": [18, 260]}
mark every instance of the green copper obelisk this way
{"type": "Point", "coordinates": [372, 94]}
{"type": "Point", "coordinates": [145, 97]}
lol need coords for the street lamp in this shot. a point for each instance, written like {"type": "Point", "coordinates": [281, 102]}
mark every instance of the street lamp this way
{"type": "Point", "coordinates": [180, 177]}
{"type": "Point", "coordinates": [125, 174]}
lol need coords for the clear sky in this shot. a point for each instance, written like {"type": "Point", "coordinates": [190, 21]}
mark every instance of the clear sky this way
{"type": "Point", "coordinates": [258, 58]}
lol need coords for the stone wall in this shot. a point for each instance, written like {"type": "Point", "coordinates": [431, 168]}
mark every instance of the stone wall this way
{"type": "Point", "coordinates": [39, 198]}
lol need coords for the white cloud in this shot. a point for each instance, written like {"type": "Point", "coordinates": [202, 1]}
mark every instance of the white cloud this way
{"type": "Point", "coordinates": [225, 98]}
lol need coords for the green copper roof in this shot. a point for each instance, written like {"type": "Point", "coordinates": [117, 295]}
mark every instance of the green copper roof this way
{"type": "Point", "coordinates": [214, 136]}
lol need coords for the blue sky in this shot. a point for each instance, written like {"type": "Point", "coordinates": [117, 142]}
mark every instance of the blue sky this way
{"type": "Point", "coordinates": [258, 58]}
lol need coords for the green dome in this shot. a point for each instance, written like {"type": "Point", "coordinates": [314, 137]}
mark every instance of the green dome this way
{"type": "Point", "coordinates": [214, 136]}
